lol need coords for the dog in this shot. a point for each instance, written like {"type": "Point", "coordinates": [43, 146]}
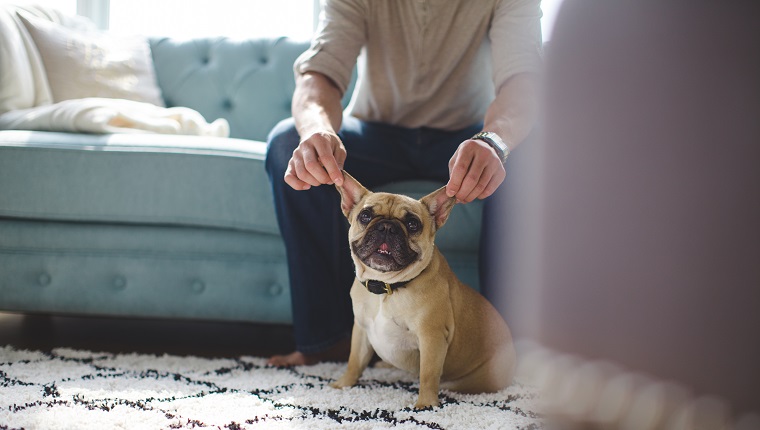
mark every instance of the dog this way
{"type": "Point", "coordinates": [409, 306]}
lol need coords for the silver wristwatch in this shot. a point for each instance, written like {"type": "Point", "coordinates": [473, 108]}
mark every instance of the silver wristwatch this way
{"type": "Point", "coordinates": [494, 141]}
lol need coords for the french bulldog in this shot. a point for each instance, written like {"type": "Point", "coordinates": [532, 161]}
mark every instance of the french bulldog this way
{"type": "Point", "coordinates": [409, 306]}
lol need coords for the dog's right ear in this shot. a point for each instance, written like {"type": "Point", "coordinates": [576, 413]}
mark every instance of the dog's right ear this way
{"type": "Point", "coordinates": [351, 193]}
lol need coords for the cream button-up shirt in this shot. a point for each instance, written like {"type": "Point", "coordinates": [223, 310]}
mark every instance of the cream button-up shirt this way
{"type": "Point", "coordinates": [425, 63]}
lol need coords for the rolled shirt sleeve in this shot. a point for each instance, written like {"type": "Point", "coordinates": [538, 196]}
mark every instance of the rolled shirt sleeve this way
{"type": "Point", "coordinates": [516, 45]}
{"type": "Point", "coordinates": [339, 39]}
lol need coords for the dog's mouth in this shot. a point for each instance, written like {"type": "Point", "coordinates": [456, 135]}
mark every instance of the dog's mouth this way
{"type": "Point", "coordinates": [384, 252]}
{"type": "Point", "coordinates": [386, 257]}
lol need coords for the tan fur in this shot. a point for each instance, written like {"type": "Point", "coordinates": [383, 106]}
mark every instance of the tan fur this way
{"type": "Point", "coordinates": [435, 326]}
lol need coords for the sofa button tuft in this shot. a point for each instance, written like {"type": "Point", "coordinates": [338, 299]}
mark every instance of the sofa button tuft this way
{"type": "Point", "coordinates": [120, 282]}
{"type": "Point", "coordinates": [275, 290]}
{"type": "Point", "coordinates": [264, 61]}
{"type": "Point", "coordinates": [227, 104]}
{"type": "Point", "coordinates": [44, 279]}
{"type": "Point", "coordinates": [198, 286]}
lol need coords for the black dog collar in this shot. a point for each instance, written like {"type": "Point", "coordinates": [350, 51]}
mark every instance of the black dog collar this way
{"type": "Point", "coordinates": [380, 287]}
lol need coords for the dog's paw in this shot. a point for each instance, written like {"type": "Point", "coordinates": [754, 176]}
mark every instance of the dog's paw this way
{"type": "Point", "coordinates": [424, 407]}
{"type": "Point", "coordinates": [426, 404]}
{"type": "Point", "coordinates": [342, 383]}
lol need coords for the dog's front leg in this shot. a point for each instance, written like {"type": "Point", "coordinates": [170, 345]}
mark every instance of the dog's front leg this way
{"type": "Point", "coordinates": [433, 349]}
{"type": "Point", "coordinates": [358, 359]}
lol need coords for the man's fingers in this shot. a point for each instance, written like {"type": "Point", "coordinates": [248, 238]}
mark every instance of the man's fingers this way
{"type": "Point", "coordinates": [330, 164]}
{"type": "Point", "coordinates": [340, 158]}
{"type": "Point", "coordinates": [458, 168]}
{"type": "Point", "coordinates": [334, 171]}
{"type": "Point", "coordinates": [301, 172]}
{"type": "Point", "coordinates": [480, 188]}
{"type": "Point", "coordinates": [292, 180]}
{"type": "Point", "coordinates": [319, 159]}
{"type": "Point", "coordinates": [474, 172]}
{"type": "Point", "coordinates": [493, 184]}
{"type": "Point", "coordinates": [313, 164]}
{"type": "Point", "coordinates": [465, 170]}
{"type": "Point", "coordinates": [472, 185]}
{"type": "Point", "coordinates": [295, 183]}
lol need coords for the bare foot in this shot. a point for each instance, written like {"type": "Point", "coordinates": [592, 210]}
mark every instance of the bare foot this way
{"type": "Point", "coordinates": [337, 352]}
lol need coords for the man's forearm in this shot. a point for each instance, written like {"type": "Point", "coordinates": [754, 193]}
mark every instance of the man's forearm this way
{"type": "Point", "coordinates": [514, 112]}
{"type": "Point", "coordinates": [316, 105]}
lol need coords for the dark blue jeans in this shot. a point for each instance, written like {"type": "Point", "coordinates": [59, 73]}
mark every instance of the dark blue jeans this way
{"type": "Point", "coordinates": [316, 232]}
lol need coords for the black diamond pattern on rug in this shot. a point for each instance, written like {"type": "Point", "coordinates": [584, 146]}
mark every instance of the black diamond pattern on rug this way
{"type": "Point", "coordinates": [67, 388]}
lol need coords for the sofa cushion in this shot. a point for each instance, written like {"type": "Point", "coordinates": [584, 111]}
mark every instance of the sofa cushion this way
{"type": "Point", "coordinates": [135, 178]}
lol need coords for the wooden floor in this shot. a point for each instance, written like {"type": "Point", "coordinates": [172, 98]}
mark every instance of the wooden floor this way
{"type": "Point", "coordinates": [122, 335]}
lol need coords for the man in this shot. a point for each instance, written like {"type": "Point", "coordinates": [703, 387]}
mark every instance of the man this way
{"type": "Point", "coordinates": [432, 75]}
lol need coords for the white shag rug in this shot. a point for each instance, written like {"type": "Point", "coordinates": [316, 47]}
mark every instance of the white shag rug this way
{"type": "Point", "coordinates": [70, 389]}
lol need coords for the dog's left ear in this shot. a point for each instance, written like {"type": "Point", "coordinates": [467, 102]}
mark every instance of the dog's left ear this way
{"type": "Point", "coordinates": [351, 193]}
{"type": "Point", "coordinates": [439, 205]}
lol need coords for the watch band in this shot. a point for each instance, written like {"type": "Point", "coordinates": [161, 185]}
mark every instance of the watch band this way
{"type": "Point", "coordinates": [494, 141]}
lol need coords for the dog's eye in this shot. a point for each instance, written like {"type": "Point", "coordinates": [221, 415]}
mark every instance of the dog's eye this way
{"type": "Point", "coordinates": [365, 216]}
{"type": "Point", "coordinates": [413, 224]}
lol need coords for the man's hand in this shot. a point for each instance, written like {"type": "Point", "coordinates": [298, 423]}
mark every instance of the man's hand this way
{"type": "Point", "coordinates": [475, 171]}
{"type": "Point", "coordinates": [317, 160]}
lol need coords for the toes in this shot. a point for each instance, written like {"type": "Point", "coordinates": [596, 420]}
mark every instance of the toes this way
{"type": "Point", "coordinates": [293, 359]}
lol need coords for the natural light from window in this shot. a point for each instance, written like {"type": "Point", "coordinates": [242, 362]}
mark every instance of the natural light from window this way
{"type": "Point", "coordinates": [202, 18]}
{"type": "Point", "coordinates": [231, 18]}
{"type": "Point", "coordinates": [550, 9]}
{"type": "Point", "coordinates": [69, 7]}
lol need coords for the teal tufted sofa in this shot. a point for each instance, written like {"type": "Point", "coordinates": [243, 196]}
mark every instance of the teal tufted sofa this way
{"type": "Point", "coordinates": [144, 225]}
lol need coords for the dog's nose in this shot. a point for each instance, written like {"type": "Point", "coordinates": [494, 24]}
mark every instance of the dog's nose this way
{"type": "Point", "coordinates": [386, 226]}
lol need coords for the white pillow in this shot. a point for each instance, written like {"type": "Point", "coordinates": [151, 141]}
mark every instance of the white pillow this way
{"type": "Point", "coordinates": [16, 79]}
{"type": "Point", "coordinates": [94, 64]}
